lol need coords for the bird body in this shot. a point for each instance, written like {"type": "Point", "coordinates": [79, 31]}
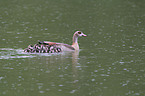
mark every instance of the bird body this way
{"type": "Point", "coordinates": [51, 47]}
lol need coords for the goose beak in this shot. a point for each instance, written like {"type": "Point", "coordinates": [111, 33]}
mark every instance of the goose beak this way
{"type": "Point", "coordinates": [84, 35]}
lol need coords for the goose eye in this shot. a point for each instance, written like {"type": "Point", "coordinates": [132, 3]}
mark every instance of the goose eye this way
{"type": "Point", "coordinates": [79, 32]}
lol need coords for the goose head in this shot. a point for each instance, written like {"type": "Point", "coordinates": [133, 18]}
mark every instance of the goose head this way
{"type": "Point", "coordinates": [75, 39]}
{"type": "Point", "coordinates": [79, 34]}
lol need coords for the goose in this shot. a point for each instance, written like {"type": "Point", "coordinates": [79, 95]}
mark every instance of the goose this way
{"type": "Point", "coordinates": [53, 47]}
{"type": "Point", "coordinates": [67, 47]}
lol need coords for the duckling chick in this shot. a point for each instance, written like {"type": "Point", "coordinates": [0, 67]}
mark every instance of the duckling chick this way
{"type": "Point", "coordinates": [30, 46]}
{"type": "Point", "coordinates": [36, 46]}
{"type": "Point", "coordinates": [59, 49]}
{"type": "Point", "coordinates": [26, 50]}
{"type": "Point", "coordinates": [42, 48]}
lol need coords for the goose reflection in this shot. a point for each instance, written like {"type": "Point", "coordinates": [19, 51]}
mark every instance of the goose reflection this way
{"type": "Point", "coordinates": [64, 61]}
{"type": "Point", "coordinates": [75, 56]}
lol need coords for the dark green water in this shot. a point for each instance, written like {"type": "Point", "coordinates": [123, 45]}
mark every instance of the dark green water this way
{"type": "Point", "coordinates": [111, 60]}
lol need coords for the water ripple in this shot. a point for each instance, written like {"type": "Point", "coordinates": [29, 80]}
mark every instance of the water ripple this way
{"type": "Point", "coordinates": [9, 53]}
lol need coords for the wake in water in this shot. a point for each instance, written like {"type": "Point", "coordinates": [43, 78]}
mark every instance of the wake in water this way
{"type": "Point", "coordinates": [8, 53]}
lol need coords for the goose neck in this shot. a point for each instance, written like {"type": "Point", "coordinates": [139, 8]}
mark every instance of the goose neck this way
{"type": "Point", "coordinates": [75, 39]}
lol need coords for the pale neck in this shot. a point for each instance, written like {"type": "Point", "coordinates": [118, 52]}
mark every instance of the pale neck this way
{"type": "Point", "coordinates": [75, 39]}
{"type": "Point", "coordinates": [75, 42]}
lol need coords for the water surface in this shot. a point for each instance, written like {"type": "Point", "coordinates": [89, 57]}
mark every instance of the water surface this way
{"type": "Point", "coordinates": [111, 59]}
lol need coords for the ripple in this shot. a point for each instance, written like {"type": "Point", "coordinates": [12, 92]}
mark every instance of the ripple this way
{"type": "Point", "coordinates": [9, 53]}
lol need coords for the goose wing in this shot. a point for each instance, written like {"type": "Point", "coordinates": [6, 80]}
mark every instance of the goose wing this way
{"type": "Point", "coordinates": [58, 44]}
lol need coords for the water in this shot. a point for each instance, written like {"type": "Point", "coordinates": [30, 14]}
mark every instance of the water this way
{"type": "Point", "coordinates": [111, 59]}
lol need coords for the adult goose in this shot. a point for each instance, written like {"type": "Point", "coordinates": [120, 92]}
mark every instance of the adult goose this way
{"type": "Point", "coordinates": [51, 47]}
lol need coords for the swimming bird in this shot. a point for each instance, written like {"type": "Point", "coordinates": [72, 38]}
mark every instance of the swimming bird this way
{"type": "Point", "coordinates": [66, 47]}
{"type": "Point", "coordinates": [53, 47]}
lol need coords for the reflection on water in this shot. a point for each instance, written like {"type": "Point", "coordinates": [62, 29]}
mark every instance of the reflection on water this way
{"type": "Point", "coordinates": [75, 56]}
